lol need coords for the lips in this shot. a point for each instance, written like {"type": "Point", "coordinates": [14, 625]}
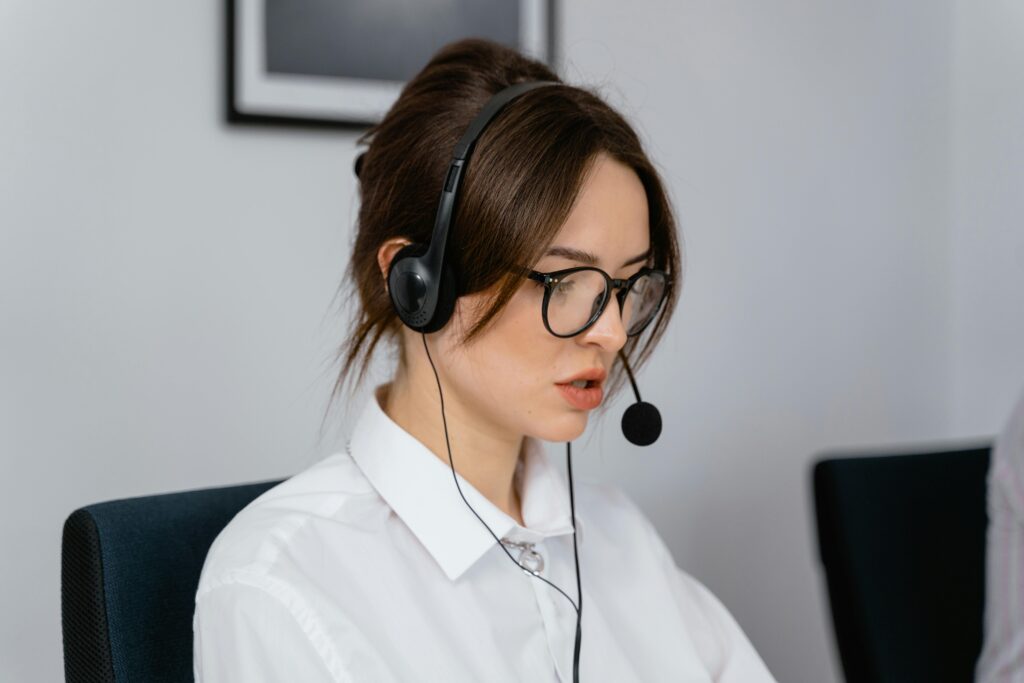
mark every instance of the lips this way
{"type": "Point", "coordinates": [580, 398]}
{"type": "Point", "coordinates": [584, 398]}
{"type": "Point", "coordinates": [594, 376]}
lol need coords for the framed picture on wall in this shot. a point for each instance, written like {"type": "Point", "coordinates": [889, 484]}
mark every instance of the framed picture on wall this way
{"type": "Point", "coordinates": [344, 62]}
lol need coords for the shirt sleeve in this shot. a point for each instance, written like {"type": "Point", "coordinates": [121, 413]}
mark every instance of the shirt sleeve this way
{"type": "Point", "coordinates": [726, 651]}
{"type": "Point", "coordinates": [1002, 655]}
{"type": "Point", "coordinates": [242, 632]}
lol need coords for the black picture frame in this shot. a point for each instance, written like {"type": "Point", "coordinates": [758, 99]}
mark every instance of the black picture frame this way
{"type": "Point", "coordinates": [290, 62]}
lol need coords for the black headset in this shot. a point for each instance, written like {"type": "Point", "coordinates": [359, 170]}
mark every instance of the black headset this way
{"type": "Point", "coordinates": [422, 284]}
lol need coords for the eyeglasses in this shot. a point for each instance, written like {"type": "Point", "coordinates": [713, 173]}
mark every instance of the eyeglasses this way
{"type": "Point", "coordinates": [575, 298]}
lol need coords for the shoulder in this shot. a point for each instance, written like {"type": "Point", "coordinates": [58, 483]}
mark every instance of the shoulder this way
{"type": "Point", "coordinates": [620, 516]}
{"type": "Point", "coordinates": [275, 531]}
{"type": "Point", "coordinates": [612, 522]}
{"type": "Point", "coordinates": [635, 553]}
{"type": "Point", "coordinates": [611, 508]}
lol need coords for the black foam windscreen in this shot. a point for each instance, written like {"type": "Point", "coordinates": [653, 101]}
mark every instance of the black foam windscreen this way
{"type": "Point", "coordinates": [641, 423]}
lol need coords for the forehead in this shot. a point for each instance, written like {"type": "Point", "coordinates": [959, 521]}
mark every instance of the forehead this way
{"type": "Point", "coordinates": [610, 216]}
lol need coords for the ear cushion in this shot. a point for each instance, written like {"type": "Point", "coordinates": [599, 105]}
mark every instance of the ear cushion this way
{"type": "Point", "coordinates": [447, 293]}
{"type": "Point", "coordinates": [394, 290]}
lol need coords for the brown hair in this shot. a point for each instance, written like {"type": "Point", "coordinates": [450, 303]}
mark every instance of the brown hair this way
{"type": "Point", "coordinates": [519, 187]}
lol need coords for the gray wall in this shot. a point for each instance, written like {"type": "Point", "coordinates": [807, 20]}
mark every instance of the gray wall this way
{"type": "Point", "coordinates": [986, 244]}
{"type": "Point", "coordinates": [847, 178]}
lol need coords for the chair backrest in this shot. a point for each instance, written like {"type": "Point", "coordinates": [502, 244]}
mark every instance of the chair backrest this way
{"type": "Point", "coordinates": [902, 541]}
{"type": "Point", "coordinates": [129, 573]}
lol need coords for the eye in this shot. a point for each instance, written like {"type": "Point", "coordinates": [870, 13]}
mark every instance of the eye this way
{"type": "Point", "coordinates": [562, 287]}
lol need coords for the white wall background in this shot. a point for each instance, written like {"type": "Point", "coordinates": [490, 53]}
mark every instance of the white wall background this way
{"type": "Point", "coordinates": [848, 178]}
{"type": "Point", "coordinates": [987, 214]}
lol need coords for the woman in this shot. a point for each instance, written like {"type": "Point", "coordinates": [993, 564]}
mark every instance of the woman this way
{"type": "Point", "coordinates": [443, 545]}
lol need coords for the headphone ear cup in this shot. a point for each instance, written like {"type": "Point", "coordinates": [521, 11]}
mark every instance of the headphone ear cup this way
{"type": "Point", "coordinates": [405, 309]}
{"type": "Point", "coordinates": [446, 296]}
{"type": "Point", "coordinates": [400, 299]}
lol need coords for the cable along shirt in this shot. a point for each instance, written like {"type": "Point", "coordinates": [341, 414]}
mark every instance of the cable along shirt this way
{"type": "Point", "coordinates": [368, 566]}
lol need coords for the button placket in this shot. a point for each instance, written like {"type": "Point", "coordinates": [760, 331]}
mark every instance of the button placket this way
{"type": "Point", "coordinates": [558, 631]}
{"type": "Point", "coordinates": [558, 620]}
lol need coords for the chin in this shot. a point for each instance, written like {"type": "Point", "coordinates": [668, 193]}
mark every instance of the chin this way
{"type": "Point", "coordinates": [566, 427]}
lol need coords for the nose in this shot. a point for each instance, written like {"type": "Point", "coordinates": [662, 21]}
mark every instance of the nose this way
{"type": "Point", "coordinates": [607, 331]}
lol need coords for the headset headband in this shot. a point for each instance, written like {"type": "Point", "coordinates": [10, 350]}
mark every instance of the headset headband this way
{"type": "Point", "coordinates": [442, 223]}
{"type": "Point", "coordinates": [421, 285]}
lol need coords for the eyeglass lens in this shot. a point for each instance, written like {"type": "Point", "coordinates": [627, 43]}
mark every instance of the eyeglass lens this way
{"type": "Point", "coordinates": [576, 298]}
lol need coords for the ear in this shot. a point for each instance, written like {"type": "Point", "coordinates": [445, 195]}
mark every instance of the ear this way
{"type": "Point", "coordinates": [386, 253]}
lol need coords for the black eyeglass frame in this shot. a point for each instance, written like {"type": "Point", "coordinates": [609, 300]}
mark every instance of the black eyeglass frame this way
{"type": "Point", "coordinates": [549, 280]}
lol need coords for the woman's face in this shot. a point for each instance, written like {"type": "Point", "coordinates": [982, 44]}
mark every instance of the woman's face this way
{"type": "Point", "coordinates": [510, 374]}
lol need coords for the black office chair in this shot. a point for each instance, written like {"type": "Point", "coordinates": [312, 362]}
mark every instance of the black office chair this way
{"type": "Point", "coordinates": [129, 572]}
{"type": "Point", "coordinates": [902, 541]}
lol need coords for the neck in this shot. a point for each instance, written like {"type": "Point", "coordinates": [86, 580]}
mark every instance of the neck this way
{"type": "Point", "coordinates": [482, 455]}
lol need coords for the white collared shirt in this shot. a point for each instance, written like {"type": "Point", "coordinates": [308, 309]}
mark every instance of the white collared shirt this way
{"type": "Point", "coordinates": [368, 566]}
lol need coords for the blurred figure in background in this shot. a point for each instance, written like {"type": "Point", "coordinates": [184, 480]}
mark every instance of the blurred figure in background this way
{"type": "Point", "coordinates": [1002, 656]}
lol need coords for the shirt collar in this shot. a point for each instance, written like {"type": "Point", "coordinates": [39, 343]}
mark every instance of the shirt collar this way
{"type": "Point", "coordinates": [420, 489]}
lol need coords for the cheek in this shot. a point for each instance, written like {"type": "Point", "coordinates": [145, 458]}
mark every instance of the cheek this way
{"type": "Point", "coordinates": [518, 352]}
{"type": "Point", "coordinates": [524, 332]}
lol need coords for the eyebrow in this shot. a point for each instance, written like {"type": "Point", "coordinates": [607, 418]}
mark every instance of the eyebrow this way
{"type": "Point", "coordinates": [589, 259]}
